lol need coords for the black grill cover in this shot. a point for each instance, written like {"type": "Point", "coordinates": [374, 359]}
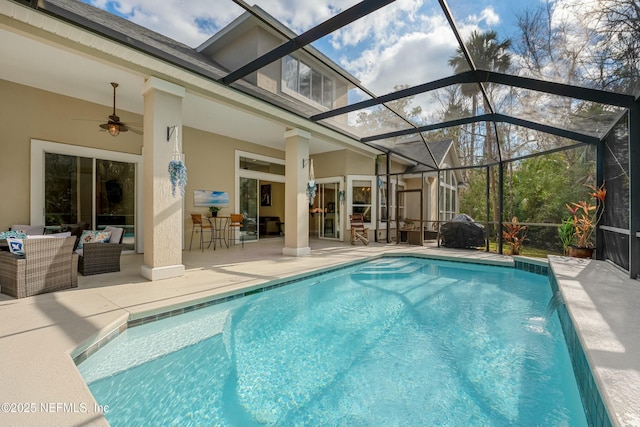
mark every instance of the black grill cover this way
{"type": "Point", "coordinates": [462, 232]}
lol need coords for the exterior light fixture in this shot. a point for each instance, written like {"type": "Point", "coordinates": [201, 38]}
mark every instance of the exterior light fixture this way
{"type": "Point", "coordinates": [114, 129]}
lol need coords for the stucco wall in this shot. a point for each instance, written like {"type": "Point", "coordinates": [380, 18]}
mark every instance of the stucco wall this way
{"type": "Point", "coordinates": [358, 164]}
{"type": "Point", "coordinates": [32, 113]}
{"type": "Point", "coordinates": [210, 161]}
{"type": "Point", "coordinates": [333, 163]}
{"type": "Point", "coordinates": [37, 114]}
{"type": "Point", "coordinates": [342, 162]}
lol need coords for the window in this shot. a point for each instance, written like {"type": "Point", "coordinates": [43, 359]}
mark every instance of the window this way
{"type": "Point", "coordinates": [81, 184]}
{"type": "Point", "coordinates": [394, 198]}
{"type": "Point", "coordinates": [448, 195]}
{"type": "Point", "coordinates": [259, 165]}
{"type": "Point", "coordinates": [307, 82]}
{"type": "Point", "coordinates": [361, 197]}
{"type": "Point", "coordinates": [95, 191]}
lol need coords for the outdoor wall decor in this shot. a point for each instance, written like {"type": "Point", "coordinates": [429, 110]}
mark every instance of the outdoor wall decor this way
{"type": "Point", "coordinates": [210, 198]}
{"type": "Point", "coordinates": [311, 184]}
{"type": "Point", "coordinates": [177, 169]}
{"type": "Point", "coordinates": [265, 195]}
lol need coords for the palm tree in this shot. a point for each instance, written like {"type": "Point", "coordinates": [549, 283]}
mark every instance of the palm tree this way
{"type": "Point", "coordinates": [489, 54]}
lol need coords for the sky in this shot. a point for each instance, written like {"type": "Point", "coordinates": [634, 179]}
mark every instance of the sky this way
{"type": "Point", "coordinates": [405, 43]}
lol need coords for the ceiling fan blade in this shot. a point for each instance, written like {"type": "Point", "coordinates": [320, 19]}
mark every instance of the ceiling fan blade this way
{"type": "Point", "coordinates": [104, 126]}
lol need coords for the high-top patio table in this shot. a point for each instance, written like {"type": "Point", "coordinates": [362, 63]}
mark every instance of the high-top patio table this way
{"type": "Point", "coordinates": [220, 228]}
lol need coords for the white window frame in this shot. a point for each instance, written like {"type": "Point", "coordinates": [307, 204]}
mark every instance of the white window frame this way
{"type": "Point", "coordinates": [449, 184]}
{"type": "Point", "coordinates": [392, 199]}
{"type": "Point", "coordinates": [296, 92]}
{"type": "Point", "coordinates": [37, 196]}
{"type": "Point", "coordinates": [341, 221]}
{"type": "Point", "coordinates": [245, 173]}
{"type": "Point", "coordinates": [374, 195]}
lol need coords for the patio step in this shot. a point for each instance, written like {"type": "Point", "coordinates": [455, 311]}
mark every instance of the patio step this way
{"type": "Point", "coordinates": [387, 268]}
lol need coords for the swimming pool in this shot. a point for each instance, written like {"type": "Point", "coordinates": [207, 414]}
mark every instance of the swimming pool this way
{"type": "Point", "coordinates": [394, 341]}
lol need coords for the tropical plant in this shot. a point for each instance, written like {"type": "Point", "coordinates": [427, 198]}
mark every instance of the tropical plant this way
{"type": "Point", "coordinates": [566, 233]}
{"type": "Point", "coordinates": [177, 176]}
{"type": "Point", "coordinates": [514, 234]}
{"type": "Point", "coordinates": [586, 215]}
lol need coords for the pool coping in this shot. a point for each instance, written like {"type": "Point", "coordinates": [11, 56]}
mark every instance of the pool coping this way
{"type": "Point", "coordinates": [601, 305]}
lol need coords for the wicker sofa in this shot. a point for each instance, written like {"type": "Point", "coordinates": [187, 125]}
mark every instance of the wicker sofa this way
{"type": "Point", "coordinates": [48, 264]}
{"type": "Point", "coordinates": [98, 258]}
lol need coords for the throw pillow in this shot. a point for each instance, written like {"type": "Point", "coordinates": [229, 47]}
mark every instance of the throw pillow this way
{"type": "Point", "coordinates": [19, 234]}
{"type": "Point", "coordinates": [16, 246]}
{"type": "Point", "coordinates": [91, 236]}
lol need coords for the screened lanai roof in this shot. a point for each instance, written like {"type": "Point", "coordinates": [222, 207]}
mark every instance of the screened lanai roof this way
{"type": "Point", "coordinates": [547, 76]}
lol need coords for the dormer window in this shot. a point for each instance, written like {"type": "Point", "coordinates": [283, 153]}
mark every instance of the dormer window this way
{"type": "Point", "coordinates": [299, 78]}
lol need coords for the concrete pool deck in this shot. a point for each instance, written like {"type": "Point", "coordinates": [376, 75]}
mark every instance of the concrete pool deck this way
{"type": "Point", "coordinates": [39, 335]}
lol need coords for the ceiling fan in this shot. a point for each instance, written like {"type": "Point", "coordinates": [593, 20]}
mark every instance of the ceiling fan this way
{"type": "Point", "coordinates": [114, 126]}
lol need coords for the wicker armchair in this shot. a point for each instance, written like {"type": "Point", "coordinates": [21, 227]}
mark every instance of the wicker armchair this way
{"type": "Point", "coordinates": [98, 258]}
{"type": "Point", "coordinates": [48, 265]}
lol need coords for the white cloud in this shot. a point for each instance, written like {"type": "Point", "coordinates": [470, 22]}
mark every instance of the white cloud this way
{"type": "Point", "coordinates": [177, 19]}
{"type": "Point", "coordinates": [406, 42]}
{"type": "Point", "coordinates": [413, 59]}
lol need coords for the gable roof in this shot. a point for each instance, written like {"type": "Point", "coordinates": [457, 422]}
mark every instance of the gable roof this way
{"type": "Point", "coordinates": [258, 17]}
{"type": "Point", "coordinates": [162, 47]}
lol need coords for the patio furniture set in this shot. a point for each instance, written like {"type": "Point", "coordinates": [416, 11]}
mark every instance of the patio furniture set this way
{"type": "Point", "coordinates": [42, 263]}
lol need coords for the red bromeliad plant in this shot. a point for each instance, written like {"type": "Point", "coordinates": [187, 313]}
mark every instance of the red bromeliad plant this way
{"type": "Point", "coordinates": [586, 214]}
{"type": "Point", "coordinates": [515, 235]}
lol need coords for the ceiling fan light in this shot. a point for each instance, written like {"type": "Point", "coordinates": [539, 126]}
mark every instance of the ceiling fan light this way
{"type": "Point", "coordinates": [114, 129]}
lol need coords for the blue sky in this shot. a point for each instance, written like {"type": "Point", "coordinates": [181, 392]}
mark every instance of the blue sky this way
{"type": "Point", "coordinates": [410, 32]}
{"type": "Point", "coordinates": [407, 42]}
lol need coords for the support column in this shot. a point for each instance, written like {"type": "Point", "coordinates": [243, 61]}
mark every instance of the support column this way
{"type": "Point", "coordinates": [296, 205]}
{"type": "Point", "coordinates": [634, 191]}
{"type": "Point", "coordinates": [163, 213]}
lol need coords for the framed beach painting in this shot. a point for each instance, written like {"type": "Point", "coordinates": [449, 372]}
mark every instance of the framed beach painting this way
{"type": "Point", "coordinates": [210, 198]}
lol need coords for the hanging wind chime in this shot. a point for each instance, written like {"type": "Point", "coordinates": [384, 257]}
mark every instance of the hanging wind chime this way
{"type": "Point", "coordinates": [311, 184]}
{"type": "Point", "coordinates": [177, 168]}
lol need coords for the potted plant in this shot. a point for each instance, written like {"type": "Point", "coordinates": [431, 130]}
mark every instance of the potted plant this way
{"type": "Point", "coordinates": [515, 235]}
{"type": "Point", "coordinates": [585, 216]}
{"type": "Point", "coordinates": [214, 210]}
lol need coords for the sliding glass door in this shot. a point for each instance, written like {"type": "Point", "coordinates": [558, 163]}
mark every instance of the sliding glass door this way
{"type": "Point", "coordinates": [93, 191]}
{"type": "Point", "coordinates": [249, 208]}
{"type": "Point", "coordinates": [329, 218]}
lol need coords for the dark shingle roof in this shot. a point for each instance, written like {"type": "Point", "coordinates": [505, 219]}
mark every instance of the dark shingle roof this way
{"type": "Point", "coordinates": [147, 41]}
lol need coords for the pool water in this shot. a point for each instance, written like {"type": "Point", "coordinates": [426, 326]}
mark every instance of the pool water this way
{"type": "Point", "coordinates": [392, 342]}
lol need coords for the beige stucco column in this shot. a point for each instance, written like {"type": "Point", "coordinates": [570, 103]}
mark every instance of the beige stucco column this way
{"type": "Point", "coordinates": [296, 205]}
{"type": "Point", "coordinates": [162, 211]}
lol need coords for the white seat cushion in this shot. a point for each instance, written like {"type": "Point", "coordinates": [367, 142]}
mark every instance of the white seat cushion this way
{"type": "Point", "coordinates": [116, 234]}
{"type": "Point", "coordinates": [49, 236]}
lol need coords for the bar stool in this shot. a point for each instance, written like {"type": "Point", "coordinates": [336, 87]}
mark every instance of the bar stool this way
{"type": "Point", "coordinates": [236, 222]}
{"type": "Point", "coordinates": [199, 226]}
